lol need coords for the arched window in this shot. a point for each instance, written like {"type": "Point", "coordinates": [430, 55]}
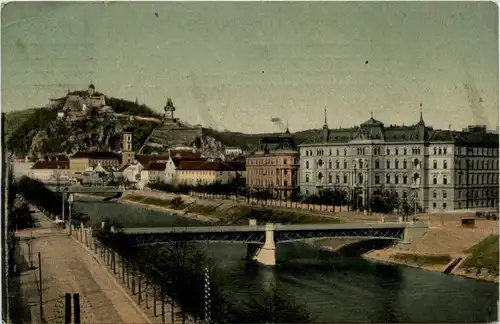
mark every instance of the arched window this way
{"type": "Point", "coordinates": [434, 194]}
{"type": "Point", "coordinates": [405, 164]}
{"type": "Point", "coordinates": [338, 152]}
{"type": "Point", "coordinates": [435, 151]}
{"type": "Point", "coordinates": [396, 164]}
{"type": "Point", "coordinates": [345, 152]}
{"type": "Point", "coordinates": [330, 178]}
{"type": "Point", "coordinates": [377, 164]}
{"type": "Point", "coordinates": [320, 163]}
{"type": "Point", "coordinates": [434, 180]}
{"type": "Point", "coordinates": [330, 152]}
{"type": "Point", "coordinates": [337, 164]}
{"type": "Point", "coordinates": [337, 179]}
{"type": "Point", "coordinates": [307, 178]}
{"type": "Point", "coordinates": [405, 179]}
{"type": "Point", "coordinates": [320, 176]}
{"type": "Point", "coordinates": [345, 164]}
{"type": "Point", "coordinates": [360, 163]}
{"type": "Point", "coordinates": [440, 151]}
{"type": "Point", "coordinates": [329, 164]}
{"type": "Point", "coordinates": [345, 178]}
{"type": "Point", "coordinates": [445, 164]}
{"type": "Point", "coordinates": [388, 164]}
{"type": "Point", "coordinates": [307, 164]}
{"type": "Point", "coordinates": [445, 179]}
{"type": "Point", "coordinates": [360, 178]}
{"type": "Point", "coordinates": [434, 164]}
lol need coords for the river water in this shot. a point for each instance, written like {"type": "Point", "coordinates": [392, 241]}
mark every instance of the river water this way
{"type": "Point", "coordinates": [334, 288]}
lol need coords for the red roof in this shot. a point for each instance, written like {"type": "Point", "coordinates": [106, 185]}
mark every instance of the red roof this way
{"type": "Point", "coordinates": [211, 166]}
{"type": "Point", "coordinates": [155, 166]}
{"type": "Point", "coordinates": [145, 159]}
{"type": "Point", "coordinates": [96, 155]}
{"type": "Point", "coordinates": [50, 165]}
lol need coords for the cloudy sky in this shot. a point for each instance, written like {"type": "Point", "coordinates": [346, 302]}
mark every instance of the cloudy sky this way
{"type": "Point", "coordinates": [236, 65]}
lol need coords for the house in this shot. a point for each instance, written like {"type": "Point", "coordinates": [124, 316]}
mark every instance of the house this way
{"type": "Point", "coordinates": [153, 172]}
{"type": "Point", "coordinates": [209, 172]}
{"type": "Point", "coordinates": [81, 161]}
{"type": "Point", "coordinates": [50, 171]}
{"type": "Point", "coordinates": [132, 171]}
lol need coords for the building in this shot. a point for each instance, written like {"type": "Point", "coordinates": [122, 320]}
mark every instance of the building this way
{"type": "Point", "coordinates": [128, 155]}
{"type": "Point", "coordinates": [132, 171]}
{"type": "Point", "coordinates": [175, 157]}
{"type": "Point", "coordinates": [274, 166]}
{"type": "Point", "coordinates": [233, 151]}
{"type": "Point", "coordinates": [434, 169]}
{"type": "Point", "coordinates": [209, 172]}
{"type": "Point", "coordinates": [81, 161]}
{"type": "Point", "coordinates": [50, 171]}
{"type": "Point", "coordinates": [77, 104]}
{"type": "Point", "coordinates": [153, 172]}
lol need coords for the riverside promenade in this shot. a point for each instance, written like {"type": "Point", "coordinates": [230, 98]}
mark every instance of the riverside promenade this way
{"type": "Point", "coordinates": [68, 266]}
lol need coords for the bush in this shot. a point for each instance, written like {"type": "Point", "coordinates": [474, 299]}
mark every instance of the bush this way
{"type": "Point", "coordinates": [484, 255]}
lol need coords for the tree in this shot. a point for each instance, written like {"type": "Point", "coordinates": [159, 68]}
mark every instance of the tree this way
{"type": "Point", "coordinates": [384, 200]}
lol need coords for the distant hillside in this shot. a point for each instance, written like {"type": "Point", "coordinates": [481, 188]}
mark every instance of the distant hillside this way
{"type": "Point", "coordinates": [38, 131]}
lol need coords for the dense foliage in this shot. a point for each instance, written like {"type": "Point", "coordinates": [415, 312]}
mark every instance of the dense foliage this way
{"type": "Point", "coordinates": [45, 199]}
{"type": "Point", "coordinates": [123, 106]}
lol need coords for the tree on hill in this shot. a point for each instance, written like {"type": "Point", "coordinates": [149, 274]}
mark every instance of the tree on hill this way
{"type": "Point", "coordinates": [129, 107]}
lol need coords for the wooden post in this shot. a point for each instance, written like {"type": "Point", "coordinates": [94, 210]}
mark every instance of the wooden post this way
{"type": "Point", "coordinates": [162, 306]}
{"type": "Point", "coordinates": [123, 269]}
{"type": "Point", "coordinates": [146, 292]}
{"type": "Point", "coordinates": [139, 288]}
{"type": "Point", "coordinates": [133, 280]}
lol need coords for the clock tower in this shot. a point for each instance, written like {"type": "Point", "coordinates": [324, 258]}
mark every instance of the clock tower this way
{"type": "Point", "coordinates": [169, 110]}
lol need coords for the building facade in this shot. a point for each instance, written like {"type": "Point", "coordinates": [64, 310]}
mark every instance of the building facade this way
{"type": "Point", "coordinates": [435, 169]}
{"type": "Point", "coordinates": [81, 161]}
{"type": "Point", "coordinates": [208, 172]}
{"type": "Point", "coordinates": [274, 166]}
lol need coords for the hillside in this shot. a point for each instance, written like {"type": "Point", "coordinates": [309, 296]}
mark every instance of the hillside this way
{"type": "Point", "coordinates": [38, 131]}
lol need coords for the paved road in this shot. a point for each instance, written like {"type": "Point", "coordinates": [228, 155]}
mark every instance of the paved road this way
{"type": "Point", "coordinates": [67, 267]}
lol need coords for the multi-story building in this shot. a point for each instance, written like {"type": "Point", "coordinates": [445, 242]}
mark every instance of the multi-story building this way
{"type": "Point", "coordinates": [82, 161]}
{"type": "Point", "coordinates": [274, 166]}
{"type": "Point", "coordinates": [436, 169]}
{"type": "Point", "coordinates": [209, 172]}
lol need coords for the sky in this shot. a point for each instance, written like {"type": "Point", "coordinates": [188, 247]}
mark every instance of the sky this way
{"type": "Point", "coordinates": [236, 65]}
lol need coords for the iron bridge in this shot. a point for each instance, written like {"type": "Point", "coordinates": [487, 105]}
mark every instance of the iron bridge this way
{"type": "Point", "coordinates": [257, 234]}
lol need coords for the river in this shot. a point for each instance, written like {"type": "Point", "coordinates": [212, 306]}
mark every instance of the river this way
{"type": "Point", "coordinates": [334, 288]}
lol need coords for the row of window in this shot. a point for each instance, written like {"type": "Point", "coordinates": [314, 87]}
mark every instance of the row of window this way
{"type": "Point", "coordinates": [488, 178]}
{"type": "Point", "coordinates": [478, 193]}
{"type": "Point", "coordinates": [396, 179]}
{"type": "Point", "coordinates": [274, 161]}
{"type": "Point", "coordinates": [360, 164]}
{"type": "Point", "coordinates": [487, 164]}
{"type": "Point", "coordinates": [363, 151]}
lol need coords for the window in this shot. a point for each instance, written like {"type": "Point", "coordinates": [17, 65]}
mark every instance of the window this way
{"type": "Point", "coordinates": [445, 180]}
{"type": "Point", "coordinates": [388, 179]}
{"type": "Point", "coordinates": [445, 194]}
{"type": "Point", "coordinates": [377, 164]}
{"type": "Point", "coordinates": [345, 178]}
{"type": "Point", "coordinates": [434, 205]}
{"type": "Point", "coordinates": [405, 164]}
{"type": "Point", "coordinates": [435, 151]}
{"type": "Point", "coordinates": [405, 151]}
{"type": "Point", "coordinates": [307, 164]}
{"type": "Point", "coordinates": [377, 179]}
{"type": "Point", "coordinates": [444, 205]}
{"type": "Point", "coordinates": [360, 163]}
{"type": "Point", "coordinates": [434, 164]}
{"type": "Point", "coordinates": [396, 164]}
{"type": "Point", "coordinates": [307, 178]}
{"type": "Point", "coordinates": [360, 177]}
{"type": "Point", "coordinates": [434, 194]}
{"type": "Point", "coordinates": [445, 164]}
{"type": "Point", "coordinates": [345, 164]}
{"type": "Point", "coordinates": [405, 179]}
{"type": "Point", "coordinates": [320, 163]}
{"type": "Point", "coordinates": [337, 164]}
{"type": "Point", "coordinates": [396, 151]}
{"type": "Point", "coordinates": [329, 164]}
{"type": "Point", "coordinates": [440, 152]}
{"type": "Point", "coordinates": [388, 151]}
{"type": "Point", "coordinates": [434, 180]}
{"type": "Point", "coordinates": [307, 153]}
{"type": "Point", "coordinates": [337, 179]}
{"type": "Point", "coordinates": [320, 176]}
{"type": "Point", "coordinates": [444, 151]}
{"type": "Point", "coordinates": [388, 164]}
{"type": "Point", "coordinates": [345, 152]}
{"type": "Point", "coordinates": [338, 152]}
{"type": "Point", "coordinates": [330, 178]}
{"type": "Point", "coordinates": [396, 179]}
{"type": "Point", "coordinates": [330, 152]}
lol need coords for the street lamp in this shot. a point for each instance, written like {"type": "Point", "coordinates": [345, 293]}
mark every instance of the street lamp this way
{"type": "Point", "coordinates": [70, 202]}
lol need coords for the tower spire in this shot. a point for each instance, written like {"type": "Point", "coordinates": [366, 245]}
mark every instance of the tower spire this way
{"type": "Point", "coordinates": [326, 120]}
{"type": "Point", "coordinates": [421, 114]}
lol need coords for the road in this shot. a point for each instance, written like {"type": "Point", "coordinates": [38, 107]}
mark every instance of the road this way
{"type": "Point", "coordinates": [68, 267]}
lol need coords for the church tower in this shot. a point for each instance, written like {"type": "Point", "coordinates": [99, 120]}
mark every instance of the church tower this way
{"type": "Point", "coordinates": [169, 111]}
{"type": "Point", "coordinates": [128, 156]}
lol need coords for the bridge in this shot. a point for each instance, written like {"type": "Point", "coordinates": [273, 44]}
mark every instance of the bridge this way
{"type": "Point", "coordinates": [261, 239]}
{"type": "Point", "coordinates": [89, 190]}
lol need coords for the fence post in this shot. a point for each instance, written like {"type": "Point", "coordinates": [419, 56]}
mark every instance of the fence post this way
{"type": "Point", "coordinates": [133, 280]}
{"type": "Point", "coordinates": [162, 306]}
{"type": "Point", "coordinates": [123, 269]}
{"type": "Point", "coordinates": [42, 317]}
{"type": "Point", "coordinates": [139, 289]}
{"type": "Point", "coordinates": [154, 300]}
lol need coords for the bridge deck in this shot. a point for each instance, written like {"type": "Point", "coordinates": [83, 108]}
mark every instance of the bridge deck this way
{"type": "Point", "coordinates": [262, 228]}
{"type": "Point", "coordinates": [78, 189]}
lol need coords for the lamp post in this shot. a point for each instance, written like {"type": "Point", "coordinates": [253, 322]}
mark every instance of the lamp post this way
{"type": "Point", "coordinates": [70, 202]}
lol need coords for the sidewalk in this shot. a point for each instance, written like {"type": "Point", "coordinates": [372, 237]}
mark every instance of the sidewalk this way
{"type": "Point", "coordinates": [67, 267]}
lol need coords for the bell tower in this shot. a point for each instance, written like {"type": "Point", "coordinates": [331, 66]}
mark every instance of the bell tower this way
{"type": "Point", "coordinates": [169, 110]}
{"type": "Point", "coordinates": [128, 156]}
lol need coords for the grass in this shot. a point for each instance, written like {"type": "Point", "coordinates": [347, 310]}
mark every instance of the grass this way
{"type": "Point", "coordinates": [238, 214]}
{"type": "Point", "coordinates": [422, 260]}
{"type": "Point", "coordinates": [484, 255]}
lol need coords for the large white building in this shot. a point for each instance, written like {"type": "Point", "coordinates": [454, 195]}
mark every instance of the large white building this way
{"type": "Point", "coordinates": [440, 169]}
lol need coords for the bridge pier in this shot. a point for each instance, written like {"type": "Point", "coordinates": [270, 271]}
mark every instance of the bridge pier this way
{"type": "Point", "coordinates": [412, 233]}
{"type": "Point", "coordinates": [264, 253]}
